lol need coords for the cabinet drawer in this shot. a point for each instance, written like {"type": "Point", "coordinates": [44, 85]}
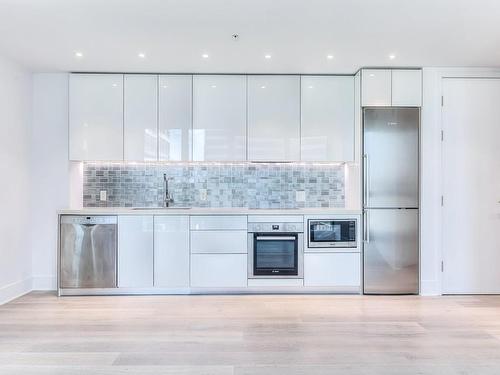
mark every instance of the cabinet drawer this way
{"type": "Point", "coordinates": [218, 270]}
{"type": "Point", "coordinates": [332, 269]}
{"type": "Point", "coordinates": [219, 242]}
{"type": "Point", "coordinates": [218, 222]}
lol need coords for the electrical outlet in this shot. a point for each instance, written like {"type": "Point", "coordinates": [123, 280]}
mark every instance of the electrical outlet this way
{"type": "Point", "coordinates": [300, 196]}
{"type": "Point", "coordinates": [203, 194]}
{"type": "Point", "coordinates": [103, 195]}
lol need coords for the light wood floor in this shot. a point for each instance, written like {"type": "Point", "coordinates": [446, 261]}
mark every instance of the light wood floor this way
{"type": "Point", "coordinates": [271, 334]}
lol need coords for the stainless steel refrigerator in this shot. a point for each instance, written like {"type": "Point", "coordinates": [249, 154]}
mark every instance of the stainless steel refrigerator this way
{"type": "Point", "coordinates": [391, 200]}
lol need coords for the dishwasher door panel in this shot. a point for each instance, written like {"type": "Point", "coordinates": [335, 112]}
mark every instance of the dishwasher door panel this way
{"type": "Point", "coordinates": [88, 255]}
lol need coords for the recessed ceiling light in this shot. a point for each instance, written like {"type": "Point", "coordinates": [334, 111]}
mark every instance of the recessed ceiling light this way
{"type": "Point", "coordinates": [78, 54]}
{"type": "Point", "coordinates": [205, 56]}
{"type": "Point", "coordinates": [267, 57]}
{"type": "Point", "coordinates": [392, 56]}
{"type": "Point", "coordinates": [142, 55]}
{"type": "Point", "coordinates": [329, 57]}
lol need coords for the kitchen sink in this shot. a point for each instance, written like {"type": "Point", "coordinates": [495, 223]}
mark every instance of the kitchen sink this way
{"type": "Point", "coordinates": [161, 208]}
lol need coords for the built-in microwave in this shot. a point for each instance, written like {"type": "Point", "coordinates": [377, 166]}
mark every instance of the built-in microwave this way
{"type": "Point", "coordinates": [332, 233]}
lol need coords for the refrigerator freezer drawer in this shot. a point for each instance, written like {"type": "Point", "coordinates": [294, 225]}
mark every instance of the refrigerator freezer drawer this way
{"type": "Point", "coordinates": [391, 254]}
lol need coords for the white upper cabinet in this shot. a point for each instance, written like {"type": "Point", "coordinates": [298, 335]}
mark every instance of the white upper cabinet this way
{"type": "Point", "coordinates": [376, 88]}
{"type": "Point", "coordinates": [407, 88]}
{"type": "Point", "coordinates": [175, 117]}
{"type": "Point", "coordinates": [219, 117]}
{"type": "Point", "coordinates": [273, 118]}
{"type": "Point", "coordinates": [396, 87]}
{"type": "Point", "coordinates": [96, 117]}
{"type": "Point", "coordinates": [141, 117]}
{"type": "Point", "coordinates": [327, 126]}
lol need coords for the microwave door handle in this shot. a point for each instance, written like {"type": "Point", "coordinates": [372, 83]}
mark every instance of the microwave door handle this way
{"type": "Point", "coordinates": [276, 238]}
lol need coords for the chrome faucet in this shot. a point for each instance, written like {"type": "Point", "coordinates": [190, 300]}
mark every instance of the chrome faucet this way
{"type": "Point", "coordinates": [167, 199]}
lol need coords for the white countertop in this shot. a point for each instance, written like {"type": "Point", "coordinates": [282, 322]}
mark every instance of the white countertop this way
{"type": "Point", "coordinates": [208, 211]}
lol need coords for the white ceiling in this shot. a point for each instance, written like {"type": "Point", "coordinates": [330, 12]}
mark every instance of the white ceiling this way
{"type": "Point", "coordinates": [45, 34]}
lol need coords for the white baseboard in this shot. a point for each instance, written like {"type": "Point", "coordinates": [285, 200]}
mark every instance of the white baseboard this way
{"type": "Point", "coordinates": [46, 282]}
{"type": "Point", "coordinates": [430, 288]}
{"type": "Point", "coordinates": [14, 290]}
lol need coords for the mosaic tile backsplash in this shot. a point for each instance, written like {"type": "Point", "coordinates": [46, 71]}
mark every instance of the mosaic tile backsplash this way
{"type": "Point", "coordinates": [259, 185]}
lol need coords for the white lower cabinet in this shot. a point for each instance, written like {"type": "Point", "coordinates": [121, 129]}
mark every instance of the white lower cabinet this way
{"type": "Point", "coordinates": [218, 270]}
{"type": "Point", "coordinates": [332, 269]}
{"type": "Point", "coordinates": [219, 241]}
{"type": "Point", "coordinates": [171, 251]}
{"type": "Point", "coordinates": [135, 251]}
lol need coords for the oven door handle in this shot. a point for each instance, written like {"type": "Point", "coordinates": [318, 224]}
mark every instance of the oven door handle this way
{"type": "Point", "coordinates": [275, 238]}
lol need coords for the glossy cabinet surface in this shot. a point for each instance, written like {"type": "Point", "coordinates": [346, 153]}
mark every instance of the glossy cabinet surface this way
{"type": "Point", "coordinates": [391, 87]}
{"type": "Point", "coordinates": [140, 117]}
{"type": "Point", "coordinates": [218, 270]}
{"type": "Point", "coordinates": [219, 241]}
{"type": "Point", "coordinates": [135, 251]}
{"type": "Point", "coordinates": [175, 117]}
{"type": "Point", "coordinates": [171, 251]}
{"type": "Point", "coordinates": [273, 118]}
{"type": "Point", "coordinates": [406, 88]}
{"type": "Point", "coordinates": [218, 222]}
{"type": "Point", "coordinates": [327, 111]}
{"type": "Point", "coordinates": [96, 117]}
{"type": "Point", "coordinates": [219, 117]}
{"type": "Point", "coordinates": [376, 88]}
{"type": "Point", "coordinates": [332, 269]}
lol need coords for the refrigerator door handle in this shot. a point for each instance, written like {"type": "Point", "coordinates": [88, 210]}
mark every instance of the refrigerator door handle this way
{"type": "Point", "coordinates": [366, 229]}
{"type": "Point", "coordinates": [366, 178]}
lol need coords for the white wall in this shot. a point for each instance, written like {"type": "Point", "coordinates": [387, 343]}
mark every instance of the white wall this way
{"type": "Point", "coordinates": [15, 123]}
{"type": "Point", "coordinates": [53, 175]}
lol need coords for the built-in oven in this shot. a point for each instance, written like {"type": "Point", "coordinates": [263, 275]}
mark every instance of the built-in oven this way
{"type": "Point", "coordinates": [332, 233]}
{"type": "Point", "coordinates": [276, 250]}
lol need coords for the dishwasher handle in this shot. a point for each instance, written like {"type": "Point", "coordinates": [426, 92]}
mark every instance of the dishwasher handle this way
{"type": "Point", "coordinates": [88, 220]}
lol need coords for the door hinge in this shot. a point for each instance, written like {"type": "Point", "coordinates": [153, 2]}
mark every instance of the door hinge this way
{"type": "Point", "coordinates": [442, 200]}
{"type": "Point", "coordinates": [442, 266]}
{"type": "Point", "coordinates": [442, 135]}
{"type": "Point", "coordinates": [442, 101]}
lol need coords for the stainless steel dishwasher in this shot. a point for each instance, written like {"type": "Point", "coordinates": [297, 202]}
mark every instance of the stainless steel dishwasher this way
{"type": "Point", "coordinates": [88, 250]}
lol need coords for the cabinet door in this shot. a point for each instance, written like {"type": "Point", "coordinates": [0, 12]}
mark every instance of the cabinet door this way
{"type": "Point", "coordinates": [376, 88]}
{"type": "Point", "coordinates": [332, 269]}
{"type": "Point", "coordinates": [274, 118]}
{"type": "Point", "coordinates": [135, 251]}
{"type": "Point", "coordinates": [175, 117]}
{"type": "Point", "coordinates": [171, 251]}
{"type": "Point", "coordinates": [219, 118]}
{"type": "Point", "coordinates": [407, 88]}
{"type": "Point", "coordinates": [140, 117]}
{"type": "Point", "coordinates": [218, 270]}
{"type": "Point", "coordinates": [327, 127]}
{"type": "Point", "coordinates": [96, 117]}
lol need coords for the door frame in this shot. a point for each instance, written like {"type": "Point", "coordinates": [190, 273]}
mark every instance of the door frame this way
{"type": "Point", "coordinates": [431, 218]}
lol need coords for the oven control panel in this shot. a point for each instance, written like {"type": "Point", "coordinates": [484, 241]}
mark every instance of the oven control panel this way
{"type": "Point", "coordinates": [276, 227]}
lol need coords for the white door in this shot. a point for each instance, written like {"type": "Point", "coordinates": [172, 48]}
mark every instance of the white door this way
{"type": "Point", "coordinates": [376, 87]}
{"type": "Point", "coordinates": [327, 111]}
{"type": "Point", "coordinates": [274, 118]}
{"type": "Point", "coordinates": [471, 186]}
{"type": "Point", "coordinates": [171, 251]}
{"type": "Point", "coordinates": [96, 117]}
{"type": "Point", "coordinates": [140, 128]}
{"type": "Point", "coordinates": [135, 251]}
{"type": "Point", "coordinates": [175, 117]}
{"type": "Point", "coordinates": [219, 118]}
{"type": "Point", "coordinates": [407, 88]}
